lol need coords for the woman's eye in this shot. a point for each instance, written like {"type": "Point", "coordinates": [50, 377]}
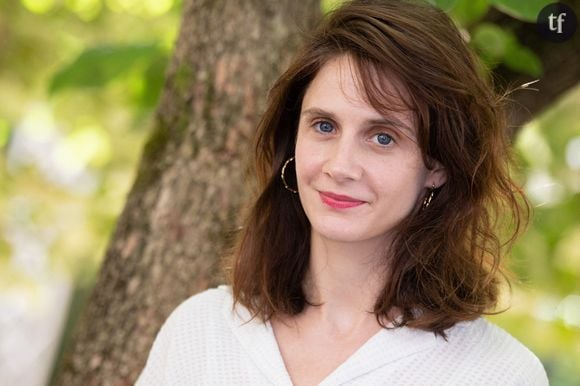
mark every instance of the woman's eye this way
{"type": "Point", "coordinates": [324, 126]}
{"type": "Point", "coordinates": [384, 139]}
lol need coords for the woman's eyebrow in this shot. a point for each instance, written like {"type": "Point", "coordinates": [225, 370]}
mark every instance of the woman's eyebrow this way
{"type": "Point", "coordinates": [387, 121]}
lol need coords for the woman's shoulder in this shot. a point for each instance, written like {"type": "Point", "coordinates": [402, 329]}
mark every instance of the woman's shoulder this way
{"type": "Point", "coordinates": [487, 348]}
{"type": "Point", "coordinates": [487, 337]}
{"type": "Point", "coordinates": [202, 309]}
{"type": "Point", "coordinates": [196, 329]}
{"type": "Point", "coordinates": [209, 299]}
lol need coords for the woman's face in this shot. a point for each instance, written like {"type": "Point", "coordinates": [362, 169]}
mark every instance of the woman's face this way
{"type": "Point", "coordinates": [345, 147]}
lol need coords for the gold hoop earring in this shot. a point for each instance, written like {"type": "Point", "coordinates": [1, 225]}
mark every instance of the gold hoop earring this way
{"type": "Point", "coordinates": [428, 198]}
{"type": "Point", "coordinates": [282, 175]}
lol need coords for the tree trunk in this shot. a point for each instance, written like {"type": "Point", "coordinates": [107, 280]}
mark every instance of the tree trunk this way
{"type": "Point", "coordinates": [189, 185]}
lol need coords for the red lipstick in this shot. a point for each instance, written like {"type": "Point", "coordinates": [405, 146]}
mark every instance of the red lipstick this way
{"type": "Point", "coordinates": [339, 201]}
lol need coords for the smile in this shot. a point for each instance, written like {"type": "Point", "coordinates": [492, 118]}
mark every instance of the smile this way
{"type": "Point", "coordinates": [339, 202]}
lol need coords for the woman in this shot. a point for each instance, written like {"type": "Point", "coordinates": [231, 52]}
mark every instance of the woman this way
{"type": "Point", "coordinates": [372, 249]}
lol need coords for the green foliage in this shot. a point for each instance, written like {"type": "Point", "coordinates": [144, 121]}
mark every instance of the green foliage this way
{"type": "Point", "coordinates": [97, 66]}
{"type": "Point", "coordinates": [499, 45]}
{"type": "Point", "coordinates": [492, 42]}
{"type": "Point", "coordinates": [547, 258]}
{"type": "Point", "coordinates": [4, 133]}
{"type": "Point", "coordinates": [328, 5]}
{"type": "Point", "coordinates": [153, 79]}
{"type": "Point", "coordinates": [496, 45]}
{"type": "Point", "coordinates": [445, 5]}
{"type": "Point", "coordinates": [523, 60]}
{"type": "Point", "coordinates": [5, 251]}
{"type": "Point", "coordinates": [525, 10]}
{"type": "Point", "coordinates": [38, 6]}
{"type": "Point", "coordinates": [467, 12]}
{"type": "Point", "coordinates": [81, 79]}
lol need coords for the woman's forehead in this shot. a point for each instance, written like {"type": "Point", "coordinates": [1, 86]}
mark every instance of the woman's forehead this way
{"type": "Point", "coordinates": [362, 85]}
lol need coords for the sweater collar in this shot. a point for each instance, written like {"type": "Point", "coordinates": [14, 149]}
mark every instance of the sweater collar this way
{"type": "Point", "coordinates": [386, 346]}
{"type": "Point", "coordinates": [258, 340]}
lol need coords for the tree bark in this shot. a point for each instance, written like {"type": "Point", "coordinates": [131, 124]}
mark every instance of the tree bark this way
{"type": "Point", "coordinates": [182, 206]}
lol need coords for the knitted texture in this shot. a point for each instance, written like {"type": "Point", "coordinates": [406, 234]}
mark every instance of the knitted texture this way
{"type": "Point", "coordinates": [204, 343]}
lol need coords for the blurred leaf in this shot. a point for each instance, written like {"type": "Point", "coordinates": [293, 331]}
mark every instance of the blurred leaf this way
{"type": "Point", "coordinates": [153, 78]}
{"type": "Point", "coordinates": [5, 250]}
{"type": "Point", "coordinates": [38, 6]}
{"type": "Point", "coordinates": [467, 12]}
{"type": "Point", "coordinates": [445, 5]}
{"type": "Point", "coordinates": [492, 42]}
{"type": "Point", "coordinates": [526, 10]}
{"type": "Point", "coordinates": [86, 10]}
{"type": "Point", "coordinates": [523, 60]}
{"type": "Point", "coordinates": [143, 8]}
{"type": "Point", "coordinates": [533, 146]}
{"type": "Point", "coordinates": [89, 144]}
{"type": "Point", "coordinates": [328, 5]}
{"type": "Point", "coordinates": [99, 65]}
{"type": "Point", "coordinates": [499, 45]}
{"type": "Point", "coordinates": [154, 8]}
{"type": "Point", "coordinates": [567, 253]}
{"type": "Point", "coordinates": [4, 132]}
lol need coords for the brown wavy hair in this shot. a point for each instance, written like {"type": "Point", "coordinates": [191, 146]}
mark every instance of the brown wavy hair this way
{"type": "Point", "coordinates": [444, 262]}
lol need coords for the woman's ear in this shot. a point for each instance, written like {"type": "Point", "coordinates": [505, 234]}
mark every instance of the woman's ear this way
{"type": "Point", "coordinates": [436, 176]}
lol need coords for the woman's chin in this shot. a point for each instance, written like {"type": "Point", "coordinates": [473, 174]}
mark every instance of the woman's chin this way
{"type": "Point", "coordinates": [337, 233]}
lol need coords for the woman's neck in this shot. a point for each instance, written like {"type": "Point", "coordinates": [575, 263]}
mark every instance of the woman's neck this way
{"type": "Point", "coordinates": [347, 278]}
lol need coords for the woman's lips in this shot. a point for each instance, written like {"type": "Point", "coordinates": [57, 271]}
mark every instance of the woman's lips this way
{"type": "Point", "coordinates": [339, 201]}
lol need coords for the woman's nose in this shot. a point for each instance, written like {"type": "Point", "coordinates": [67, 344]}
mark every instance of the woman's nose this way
{"type": "Point", "coordinates": [342, 162]}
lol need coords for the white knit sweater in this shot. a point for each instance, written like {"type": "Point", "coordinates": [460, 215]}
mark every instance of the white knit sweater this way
{"type": "Point", "coordinates": [204, 343]}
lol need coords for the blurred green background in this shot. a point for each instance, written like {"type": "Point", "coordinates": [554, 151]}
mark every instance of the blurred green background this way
{"type": "Point", "coordinates": [79, 82]}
